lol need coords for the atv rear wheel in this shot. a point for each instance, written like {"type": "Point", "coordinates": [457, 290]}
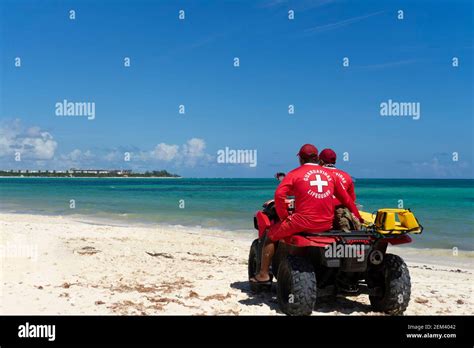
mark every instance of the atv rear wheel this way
{"type": "Point", "coordinates": [254, 266]}
{"type": "Point", "coordinates": [296, 287]}
{"type": "Point", "coordinates": [254, 259]}
{"type": "Point", "coordinates": [392, 280]}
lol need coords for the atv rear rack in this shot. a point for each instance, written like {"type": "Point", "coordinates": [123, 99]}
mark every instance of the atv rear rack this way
{"type": "Point", "coordinates": [355, 233]}
{"type": "Point", "coordinates": [340, 233]}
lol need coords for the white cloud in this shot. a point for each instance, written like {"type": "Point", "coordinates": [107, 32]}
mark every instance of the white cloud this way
{"type": "Point", "coordinates": [113, 156]}
{"type": "Point", "coordinates": [188, 154]}
{"type": "Point", "coordinates": [31, 143]}
{"type": "Point", "coordinates": [38, 145]}
{"type": "Point", "coordinates": [78, 156]}
{"type": "Point", "coordinates": [165, 152]}
{"type": "Point", "coordinates": [194, 151]}
{"type": "Point", "coordinates": [194, 147]}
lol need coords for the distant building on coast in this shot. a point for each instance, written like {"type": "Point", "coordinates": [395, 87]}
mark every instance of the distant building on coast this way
{"type": "Point", "coordinates": [100, 171]}
{"type": "Point", "coordinates": [74, 172]}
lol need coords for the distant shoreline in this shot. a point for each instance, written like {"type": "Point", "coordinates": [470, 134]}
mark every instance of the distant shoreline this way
{"type": "Point", "coordinates": [182, 177]}
{"type": "Point", "coordinates": [85, 173]}
{"type": "Point", "coordinates": [92, 177]}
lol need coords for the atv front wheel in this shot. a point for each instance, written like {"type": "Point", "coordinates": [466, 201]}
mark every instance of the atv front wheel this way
{"type": "Point", "coordinates": [391, 280]}
{"type": "Point", "coordinates": [296, 287]}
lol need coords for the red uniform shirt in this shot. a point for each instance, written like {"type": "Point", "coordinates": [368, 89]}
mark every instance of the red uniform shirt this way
{"type": "Point", "coordinates": [313, 187]}
{"type": "Point", "coordinates": [346, 181]}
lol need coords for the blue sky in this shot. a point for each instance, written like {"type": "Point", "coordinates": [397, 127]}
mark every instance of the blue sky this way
{"type": "Point", "coordinates": [282, 62]}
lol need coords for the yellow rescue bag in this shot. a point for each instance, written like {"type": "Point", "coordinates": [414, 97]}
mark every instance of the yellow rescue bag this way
{"type": "Point", "coordinates": [392, 221]}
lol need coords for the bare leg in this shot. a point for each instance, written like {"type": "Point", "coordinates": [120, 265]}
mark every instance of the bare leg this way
{"type": "Point", "coordinates": [267, 254]}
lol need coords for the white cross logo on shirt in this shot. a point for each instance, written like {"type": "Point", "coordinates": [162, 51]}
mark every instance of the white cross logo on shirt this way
{"type": "Point", "coordinates": [319, 183]}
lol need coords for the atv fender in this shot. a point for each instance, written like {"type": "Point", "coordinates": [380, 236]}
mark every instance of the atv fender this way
{"type": "Point", "coordinates": [399, 239]}
{"type": "Point", "coordinates": [309, 241]}
{"type": "Point", "coordinates": [262, 223]}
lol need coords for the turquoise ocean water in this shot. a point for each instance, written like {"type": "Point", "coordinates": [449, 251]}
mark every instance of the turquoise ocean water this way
{"type": "Point", "coordinates": [443, 207]}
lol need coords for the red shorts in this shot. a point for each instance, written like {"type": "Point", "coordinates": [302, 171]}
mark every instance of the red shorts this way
{"type": "Point", "coordinates": [283, 229]}
{"type": "Point", "coordinates": [296, 224]}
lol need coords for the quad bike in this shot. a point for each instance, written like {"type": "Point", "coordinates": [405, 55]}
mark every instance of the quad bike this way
{"type": "Point", "coordinates": [311, 265]}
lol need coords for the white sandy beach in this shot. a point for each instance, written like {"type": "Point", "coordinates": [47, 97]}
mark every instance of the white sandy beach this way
{"type": "Point", "coordinates": [62, 265]}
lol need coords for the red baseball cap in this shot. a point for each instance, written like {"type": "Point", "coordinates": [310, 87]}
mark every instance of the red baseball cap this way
{"type": "Point", "coordinates": [308, 151]}
{"type": "Point", "coordinates": [328, 156]}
